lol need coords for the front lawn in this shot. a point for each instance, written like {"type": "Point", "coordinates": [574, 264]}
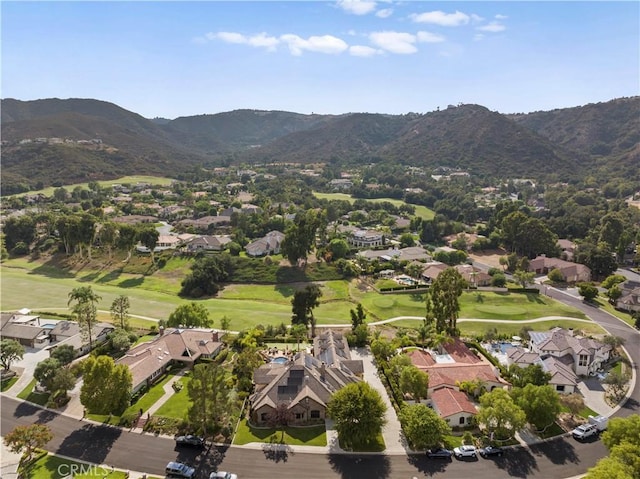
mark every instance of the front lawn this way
{"type": "Point", "coordinates": [551, 431]}
{"type": "Point", "coordinates": [6, 385]}
{"type": "Point", "coordinates": [149, 398]}
{"type": "Point", "coordinates": [294, 436]}
{"type": "Point", "coordinates": [55, 467]}
{"type": "Point", "coordinates": [27, 394]}
{"type": "Point", "coordinates": [176, 406]}
{"type": "Point", "coordinates": [375, 445]}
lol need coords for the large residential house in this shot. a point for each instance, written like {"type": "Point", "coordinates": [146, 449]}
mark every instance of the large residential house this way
{"type": "Point", "coordinates": [24, 328]}
{"type": "Point", "coordinates": [306, 383]}
{"type": "Point", "coordinates": [366, 239]}
{"type": "Point", "coordinates": [629, 300]}
{"type": "Point", "coordinates": [410, 253]}
{"type": "Point", "coordinates": [571, 272]}
{"type": "Point", "coordinates": [206, 222]}
{"type": "Point", "coordinates": [563, 378]}
{"type": "Point", "coordinates": [584, 355]}
{"type": "Point", "coordinates": [208, 243]}
{"type": "Point", "coordinates": [148, 361]}
{"type": "Point", "coordinates": [269, 244]}
{"type": "Point", "coordinates": [69, 332]}
{"type": "Point", "coordinates": [447, 369]}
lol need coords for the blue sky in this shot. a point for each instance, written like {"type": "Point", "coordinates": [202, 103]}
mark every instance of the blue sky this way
{"type": "Point", "coordinates": [174, 59]}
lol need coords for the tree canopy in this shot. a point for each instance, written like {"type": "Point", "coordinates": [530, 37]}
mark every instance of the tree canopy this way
{"type": "Point", "coordinates": [303, 303]}
{"type": "Point", "coordinates": [500, 415]}
{"type": "Point", "coordinates": [443, 300]}
{"type": "Point", "coordinates": [422, 426]}
{"type": "Point", "coordinates": [541, 404]}
{"type": "Point", "coordinates": [85, 309]}
{"type": "Point", "coordinates": [190, 315]}
{"type": "Point", "coordinates": [209, 394]}
{"type": "Point", "coordinates": [106, 387]}
{"type": "Point", "coordinates": [10, 351]}
{"type": "Point", "coordinates": [26, 439]}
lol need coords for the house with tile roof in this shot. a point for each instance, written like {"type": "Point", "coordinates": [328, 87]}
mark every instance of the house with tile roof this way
{"type": "Point", "coordinates": [571, 272]}
{"type": "Point", "coordinates": [453, 406]}
{"type": "Point", "coordinates": [268, 244]}
{"type": "Point", "coordinates": [70, 333]}
{"type": "Point", "coordinates": [563, 379]}
{"type": "Point", "coordinates": [629, 300]}
{"type": "Point", "coordinates": [148, 361]}
{"type": "Point", "coordinates": [208, 243]}
{"type": "Point", "coordinates": [584, 355]}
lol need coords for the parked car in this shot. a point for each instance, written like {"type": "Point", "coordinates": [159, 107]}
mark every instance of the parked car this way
{"type": "Point", "coordinates": [440, 452]}
{"type": "Point", "coordinates": [488, 451]}
{"type": "Point", "coordinates": [465, 451]}
{"type": "Point", "coordinates": [585, 431]}
{"type": "Point", "coordinates": [190, 440]}
{"type": "Point", "coordinates": [222, 475]}
{"type": "Point", "coordinates": [178, 469]}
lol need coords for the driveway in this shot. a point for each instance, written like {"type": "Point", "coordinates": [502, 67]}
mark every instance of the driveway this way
{"type": "Point", "coordinates": [392, 432]}
{"type": "Point", "coordinates": [25, 368]}
{"type": "Point", "coordinates": [593, 392]}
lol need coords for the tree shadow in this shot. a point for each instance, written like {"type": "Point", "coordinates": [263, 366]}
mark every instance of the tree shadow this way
{"type": "Point", "coordinates": [110, 276]}
{"type": "Point", "coordinates": [101, 438]}
{"type": "Point", "coordinates": [350, 466]}
{"type": "Point", "coordinates": [417, 297]}
{"type": "Point", "coordinates": [277, 452]}
{"type": "Point", "coordinates": [559, 451]}
{"type": "Point", "coordinates": [517, 462]}
{"type": "Point", "coordinates": [428, 466]}
{"type": "Point", "coordinates": [131, 282]}
{"type": "Point", "coordinates": [89, 278]}
{"type": "Point", "coordinates": [46, 416]}
{"type": "Point", "coordinates": [534, 298]}
{"type": "Point", "coordinates": [285, 290]}
{"type": "Point", "coordinates": [203, 460]}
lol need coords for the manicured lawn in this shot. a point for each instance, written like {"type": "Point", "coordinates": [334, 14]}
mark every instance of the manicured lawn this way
{"type": "Point", "coordinates": [27, 394]}
{"type": "Point", "coordinates": [294, 436]}
{"type": "Point", "coordinates": [54, 467]}
{"type": "Point", "coordinates": [422, 211]}
{"type": "Point", "coordinates": [149, 398]}
{"type": "Point", "coordinates": [177, 405]}
{"type": "Point", "coordinates": [512, 306]}
{"type": "Point", "coordinates": [132, 180]}
{"type": "Point", "coordinates": [626, 317]}
{"type": "Point", "coordinates": [585, 412]}
{"type": "Point", "coordinates": [375, 445]}
{"type": "Point", "coordinates": [145, 338]}
{"type": "Point", "coordinates": [6, 385]}
{"type": "Point", "coordinates": [551, 431]}
{"type": "Point", "coordinates": [452, 441]}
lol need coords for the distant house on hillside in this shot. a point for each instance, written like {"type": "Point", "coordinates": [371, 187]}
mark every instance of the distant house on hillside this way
{"type": "Point", "coordinates": [630, 298]}
{"type": "Point", "coordinates": [208, 243]}
{"type": "Point", "coordinates": [269, 244]}
{"type": "Point", "coordinates": [571, 272]}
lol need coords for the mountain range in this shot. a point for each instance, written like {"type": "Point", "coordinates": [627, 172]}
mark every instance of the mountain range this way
{"type": "Point", "coordinates": [99, 140]}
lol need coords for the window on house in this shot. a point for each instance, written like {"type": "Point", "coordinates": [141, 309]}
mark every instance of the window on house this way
{"type": "Point", "coordinates": [560, 388]}
{"type": "Point", "coordinates": [462, 420]}
{"type": "Point", "coordinates": [299, 415]}
{"type": "Point", "coordinates": [584, 360]}
{"type": "Point", "coordinates": [315, 414]}
{"type": "Point", "coordinates": [264, 416]}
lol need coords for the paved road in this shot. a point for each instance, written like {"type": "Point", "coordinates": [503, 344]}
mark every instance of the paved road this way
{"type": "Point", "coordinates": [125, 450]}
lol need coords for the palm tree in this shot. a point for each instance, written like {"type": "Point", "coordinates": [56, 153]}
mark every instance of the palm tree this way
{"type": "Point", "coordinates": [85, 309]}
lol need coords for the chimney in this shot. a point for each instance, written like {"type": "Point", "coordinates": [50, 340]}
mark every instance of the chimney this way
{"type": "Point", "coordinates": [214, 336]}
{"type": "Point", "coordinates": [161, 330]}
{"type": "Point", "coordinates": [323, 370]}
{"type": "Point", "coordinates": [570, 331]}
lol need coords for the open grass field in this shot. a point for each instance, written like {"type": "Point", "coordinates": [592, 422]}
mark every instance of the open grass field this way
{"type": "Point", "coordinates": [55, 467]}
{"type": "Point", "coordinates": [132, 180]}
{"type": "Point", "coordinates": [421, 211]}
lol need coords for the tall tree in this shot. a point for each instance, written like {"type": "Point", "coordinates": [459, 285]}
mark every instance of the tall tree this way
{"type": "Point", "coordinates": [443, 296]}
{"type": "Point", "coordinates": [45, 371]}
{"type": "Point", "coordinates": [414, 382]}
{"type": "Point", "coordinates": [126, 241]}
{"type": "Point", "coordinates": [500, 415]}
{"type": "Point", "coordinates": [358, 317]}
{"type": "Point", "coordinates": [358, 413]}
{"type": "Point", "coordinates": [541, 404]}
{"type": "Point", "coordinates": [422, 426]}
{"type": "Point", "coordinates": [148, 236]}
{"type": "Point", "coordinates": [120, 311]}
{"type": "Point", "coordinates": [85, 309]}
{"type": "Point", "coordinates": [532, 374]}
{"type": "Point", "coordinates": [300, 237]}
{"type": "Point", "coordinates": [27, 439]}
{"type": "Point", "coordinates": [190, 315]}
{"type": "Point", "coordinates": [108, 236]}
{"type": "Point", "coordinates": [10, 351]}
{"type": "Point", "coordinates": [106, 387]}
{"type": "Point", "coordinates": [65, 354]}
{"type": "Point", "coordinates": [280, 418]}
{"type": "Point", "coordinates": [303, 303]}
{"type": "Point", "coordinates": [523, 277]}
{"type": "Point", "coordinates": [298, 331]}
{"type": "Point", "coordinates": [209, 394]}
{"type": "Point", "coordinates": [20, 229]}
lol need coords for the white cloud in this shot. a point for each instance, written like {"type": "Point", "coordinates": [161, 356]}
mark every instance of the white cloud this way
{"type": "Point", "coordinates": [357, 7]}
{"type": "Point", "coordinates": [501, 17]}
{"type": "Point", "coordinates": [263, 40]}
{"type": "Point", "coordinates": [384, 13]}
{"type": "Point", "coordinates": [394, 42]}
{"type": "Point", "coordinates": [438, 17]}
{"type": "Point", "coordinates": [428, 37]}
{"type": "Point", "coordinates": [228, 37]}
{"type": "Point", "coordinates": [493, 27]}
{"type": "Point", "coordinates": [478, 36]}
{"type": "Point", "coordinates": [476, 18]}
{"type": "Point", "coordinates": [321, 44]}
{"type": "Point", "coordinates": [363, 51]}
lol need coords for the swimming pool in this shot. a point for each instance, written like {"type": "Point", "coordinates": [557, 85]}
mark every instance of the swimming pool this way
{"type": "Point", "coordinates": [280, 360]}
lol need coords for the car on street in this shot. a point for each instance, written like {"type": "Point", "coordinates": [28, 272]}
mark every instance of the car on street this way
{"type": "Point", "coordinates": [190, 440]}
{"type": "Point", "coordinates": [585, 431]}
{"type": "Point", "coordinates": [440, 452]}
{"type": "Point", "coordinates": [465, 451]}
{"type": "Point", "coordinates": [489, 451]}
{"type": "Point", "coordinates": [178, 469]}
{"type": "Point", "coordinates": [222, 475]}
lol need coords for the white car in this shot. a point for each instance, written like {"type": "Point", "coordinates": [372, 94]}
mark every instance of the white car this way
{"type": "Point", "coordinates": [465, 451]}
{"type": "Point", "coordinates": [584, 431]}
{"type": "Point", "coordinates": [222, 475]}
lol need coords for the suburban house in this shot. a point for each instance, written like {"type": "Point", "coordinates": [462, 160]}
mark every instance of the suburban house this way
{"type": "Point", "coordinates": [568, 249]}
{"type": "Point", "coordinates": [268, 244]}
{"type": "Point", "coordinates": [148, 361]}
{"type": "Point", "coordinates": [366, 238]}
{"type": "Point", "coordinates": [206, 222]}
{"type": "Point", "coordinates": [629, 300]}
{"type": "Point", "coordinates": [69, 332]}
{"type": "Point", "coordinates": [341, 184]}
{"type": "Point", "coordinates": [24, 328]}
{"type": "Point", "coordinates": [455, 364]}
{"type": "Point", "coordinates": [164, 242]}
{"type": "Point", "coordinates": [583, 355]}
{"type": "Point", "coordinates": [563, 379]}
{"type": "Point", "coordinates": [410, 253]}
{"type": "Point", "coordinates": [571, 272]}
{"type": "Point", "coordinates": [208, 243]}
{"type": "Point", "coordinates": [306, 383]}
{"type": "Point", "coordinates": [473, 276]}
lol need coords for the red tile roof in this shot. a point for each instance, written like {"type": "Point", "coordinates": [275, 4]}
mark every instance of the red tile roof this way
{"type": "Point", "coordinates": [421, 359]}
{"type": "Point", "coordinates": [449, 402]}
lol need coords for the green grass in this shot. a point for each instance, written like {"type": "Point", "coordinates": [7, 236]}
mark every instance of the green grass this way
{"type": "Point", "coordinates": [452, 441]}
{"type": "Point", "coordinates": [512, 306]}
{"type": "Point", "coordinates": [153, 180]}
{"type": "Point", "coordinates": [374, 445]}
{"type": "Point", "coordinates": [421, 211]}
{"type": "Point", "coordinates": [551, 431]}
{"type": "Point", "coordinates": [144, 339]}
{"type": "Point", "coordinates": [626, 317]}
{"type": "Point", "coordinates": [6, 385]}
{"type": "Point", "coordinates": [54, 467]}
{"type": "Point", "coordinates": [105, 419]}
{"type": "Point", "coordinates": [584, 412]}
{"type": "Point", "coordinates": [294, 436]}
{"type": "Point", "coordinates": [149, 398]}
{"type": "Point", "coordinates": [27, 394]}
{"type": "Point", "coordinates": [177, 405]}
